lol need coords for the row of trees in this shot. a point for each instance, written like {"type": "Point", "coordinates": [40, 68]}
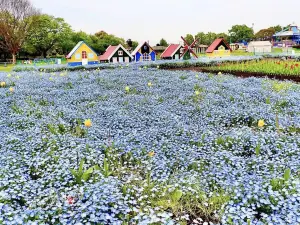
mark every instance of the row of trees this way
{"type": "Point", "coordinates": [237, 33]}
{"type": "Point", "coordinates": [24, 30]}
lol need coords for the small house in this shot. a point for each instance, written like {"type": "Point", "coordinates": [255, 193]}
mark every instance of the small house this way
{"type": "Point", "coordinates": [238, 47]}
{"type": "Point", "coordinates": [143, 52]}
{"type": "Point", "coordinates": [219, 48]}
{"type": "Point", "coordinates": [116, 54]}
{"type": "Point", "coordinates": [260, 47]}
{"type": "Point", "coordinates": [200, 49]}
{"type": "Point", "coordinates": [171, 52]}
{"type": "Point", "coordinates": [81, 55]}
{"type": "Point", "coordinates": [159, 49]}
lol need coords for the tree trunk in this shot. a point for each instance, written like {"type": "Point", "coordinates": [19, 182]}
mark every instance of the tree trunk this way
{"type": "Point", "coordinates": [14, 58]}
{"type": "Point", "coordinates": [45, 54]}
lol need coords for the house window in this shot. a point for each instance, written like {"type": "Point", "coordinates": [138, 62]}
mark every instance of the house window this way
{"type": "Point", "coordinates": [146, 57]}
{"type": "Point", "coordinates": [120, 52]}
{"type": "Point", "coordinates": [84, 56]}
{"type": "Point", "coordinates": [77, 56]}
{"type": "Point", "coordinates": [91, 55]}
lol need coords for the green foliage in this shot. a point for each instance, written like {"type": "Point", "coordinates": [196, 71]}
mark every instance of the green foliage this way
{"type": "Point", "coordinates": [106, 168]}
{"type": "Point", "coordinates": [82, 175]}
{"type": "Point", "coordinates": [241, 33]}
{"type": "Point", "coordinates": [189, 38]}
{"type": "Point", "coordinates": [287, 174]}
{"type": "Point", "coordinates": [257, 150]}
{"type": "Point", "coordinates": [262, 67]}
{"type": "Point", "coordinates": [187, 56]}
{"type": "Point", "coordinates": [46, 33]}
{"type": "Point", "coordinates": [16, 109]}
{"type": "Point", "coordinates": [208, 38]}
{"type": "Point", "coordinates": [280, 183]}
{"type": "Point", "coordinates": [195, 204]}
{"type": "Point", "coordinates": [163, 42]}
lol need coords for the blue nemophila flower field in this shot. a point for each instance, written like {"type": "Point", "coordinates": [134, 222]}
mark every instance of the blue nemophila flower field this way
{"type": "Point", "coordinates": [105, 147]}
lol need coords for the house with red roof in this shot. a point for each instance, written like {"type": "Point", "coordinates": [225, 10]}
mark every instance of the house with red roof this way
{"type": "Point", "coordinates": [219, 48]}
{"type": "Point", "coordinates": [172, 52]}
{"type": "Point", "coordinates": [116, 54]}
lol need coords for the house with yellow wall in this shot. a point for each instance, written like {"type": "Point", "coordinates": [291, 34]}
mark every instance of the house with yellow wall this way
{"type": "Point", "coordinates": [82, 55]}
{"type": "Point", "coordinates": [219, 48]}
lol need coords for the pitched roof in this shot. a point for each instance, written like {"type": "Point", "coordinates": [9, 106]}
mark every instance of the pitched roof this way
{"type": "Point", "coordinates": [139, 47]}
{"type": "Point", "coordinates": [170, 50]}
{"type": "Point", "coordinates": [215, 44]}
{"type": "Point", "coordinates": [107, 53]}
{"type": "Point", "coordinates": [76, 47]}
{"type": "Point", "coordinates": [110, 51]}
{"type": "Point", "coordinates": [159, 48]}
{"type": "Point", "coordinates": [290, 30]}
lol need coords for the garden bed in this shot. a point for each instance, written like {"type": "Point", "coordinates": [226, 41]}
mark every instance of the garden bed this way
{"type": "Point", "coordinates": [148, 146]}
{"type": "Point", "coordinates": [244, 74]}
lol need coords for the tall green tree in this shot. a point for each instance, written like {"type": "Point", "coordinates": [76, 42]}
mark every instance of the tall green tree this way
{"type": "Point", "coordinates": [101, 40]}
{"type": "Point", "coordinates": [277, 28]}
{"type": "Point", "coordinates": [202, 38]}
{"type": "Point", "coordinates": [134, 44]}
{"type": "Point", "coordinates": [265, 34]}
{"type": "Point", "coordinates": [224, 36]}
{"type": "Point", "coordinates": [47, 33]}
{"type": "Point", "coordinates": [17, 18]}
{"type": "Point", "coordinates": [241, 33]}
{"type": "Point", "coordinates": [211, 37]}
{"type": "Point", "coordinates": [163, 42]}
{"type": "Point", "coordinates": [189, 38]}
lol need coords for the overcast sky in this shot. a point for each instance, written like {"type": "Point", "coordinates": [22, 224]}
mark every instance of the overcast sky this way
{"type": "Point", "coordinates": [144, 20]}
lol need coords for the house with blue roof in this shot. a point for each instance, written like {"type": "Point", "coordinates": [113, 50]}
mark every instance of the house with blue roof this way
{"type": "Point", "coordinates": [288, 37]}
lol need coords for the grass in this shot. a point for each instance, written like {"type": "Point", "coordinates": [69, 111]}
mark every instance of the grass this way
{"type": "Point", "coordinates": [8, 68]}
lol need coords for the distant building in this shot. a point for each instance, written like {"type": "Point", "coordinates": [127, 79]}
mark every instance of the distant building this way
{"type": "Point", "coordinates": [238, 46]}
{"type": "Point", "coordinates": [260, 47]}
{"type": "Point", "coordinates": [200, 49]}
{"type": "Point", "coordinates": [82, 54]}
{"type": "Point", "coordinates": [288, 37]}
{"type": "Point", "coordinates": [159, 49]}
{"type": "Point", "coordinates": [172, 52]}
{"type": "Point", "coordinates": [116, 54]}
{"type": "Point", "coordinates": [143, 52]}
{"type": "Point", "coordinates": [219, 48]}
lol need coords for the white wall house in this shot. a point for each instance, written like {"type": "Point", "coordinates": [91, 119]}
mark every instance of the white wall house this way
{"type": "Point", "coordinates": [260, 47]}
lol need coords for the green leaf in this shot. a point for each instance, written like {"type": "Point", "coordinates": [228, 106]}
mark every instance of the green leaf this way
{"type": "Point", "coordinates": [257, 150]}
{"type": "Point", "coordinates": [80, 169]}
{"type": "Point", "coordinates": [287, 174]}
{"type": "Point", "coordinates": [97, 167]}
{"type": "Point", "coordinates": [176, 195]}
{"type": "Point", "coordinates": [87, 174]}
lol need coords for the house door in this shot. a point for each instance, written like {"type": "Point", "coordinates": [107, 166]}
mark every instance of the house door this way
{"type": "Point", "coordinates": [84, 58]}
{"type": "Point", "coordinates": [115, 59]}
{"type": "Point", "coordinates": [176, 56]}
{"type": "Point", "coordinates": [127, 59]}
{"type": "Point", "coordinates": [121, 59]}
